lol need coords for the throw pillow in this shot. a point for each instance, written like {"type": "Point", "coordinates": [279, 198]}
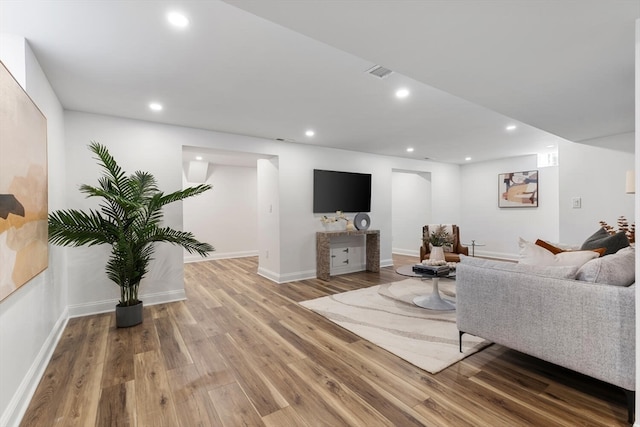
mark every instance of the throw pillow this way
{"type": "Point", "coordinates": [531, 254]}
{"type": "Point", "coordinates": [559, 272]}
{"type": "Point", "coordinates": [556, 250]}
{"type": "Point", "coordinates": [618, 269]}
{"type": "Point", "coordinates": [602, 239]}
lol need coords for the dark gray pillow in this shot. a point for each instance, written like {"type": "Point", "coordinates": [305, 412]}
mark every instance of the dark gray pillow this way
{"type": "Point", "coordinates": [602, 239]}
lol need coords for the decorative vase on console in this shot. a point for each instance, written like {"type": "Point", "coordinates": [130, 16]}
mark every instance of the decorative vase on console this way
{"type": "Point", "coordinates": [335, 223]}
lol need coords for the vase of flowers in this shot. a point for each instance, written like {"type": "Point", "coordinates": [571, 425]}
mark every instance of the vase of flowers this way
{"type": "Point", "coordinates": [438, 239]}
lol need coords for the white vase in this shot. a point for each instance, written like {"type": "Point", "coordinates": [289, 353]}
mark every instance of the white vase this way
{"type": "Point", "coordinates": [437, 253]}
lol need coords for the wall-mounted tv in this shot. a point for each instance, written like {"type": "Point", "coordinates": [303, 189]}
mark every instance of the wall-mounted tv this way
{"type": "Point", "coordinates": [341, 191]}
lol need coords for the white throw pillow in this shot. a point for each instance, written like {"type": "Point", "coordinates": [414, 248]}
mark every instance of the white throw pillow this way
{"type": "Point", "coordinates": [532, 254]}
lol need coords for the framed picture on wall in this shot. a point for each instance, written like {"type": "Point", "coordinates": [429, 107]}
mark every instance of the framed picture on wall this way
{"type": "Point", "coordinates": [518, 189]}
{"type": "Point", "coordinates": [23, 187]}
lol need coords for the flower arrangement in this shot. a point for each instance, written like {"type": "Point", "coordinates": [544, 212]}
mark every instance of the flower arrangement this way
{"type": "Point", "coordinates": [440, 237]}
{"type": "Point", "coordinates": [331, 219]}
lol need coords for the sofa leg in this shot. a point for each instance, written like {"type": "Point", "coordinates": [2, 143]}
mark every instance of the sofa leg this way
{"type": "Point", "coordinates": [631, 404]}
{"type": "Point", "coordinates": [460, 334]}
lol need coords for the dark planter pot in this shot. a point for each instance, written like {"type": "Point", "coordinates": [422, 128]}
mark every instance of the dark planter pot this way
{"type": "Point", "coordinates": [127, 316]}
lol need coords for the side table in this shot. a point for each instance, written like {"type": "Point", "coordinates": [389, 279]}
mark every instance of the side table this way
{"type": "Point", "coordinates": [473, 245]}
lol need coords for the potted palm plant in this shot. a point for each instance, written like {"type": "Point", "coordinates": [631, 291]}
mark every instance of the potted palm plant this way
{"type": "Point", "coordinates": [129, 219]}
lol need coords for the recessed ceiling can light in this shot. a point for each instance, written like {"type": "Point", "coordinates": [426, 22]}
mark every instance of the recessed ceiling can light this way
{"type": "Point", "coordinates": [467, 158]}
{"type": "Point", "coordinates": [511, 127]}
{"type": "Point", "coordinates": [402, 93]}
{"type": "Point", "coordinates": [309, 133]}
{"type": "Point", "coordinates": [550, 146]}
{"type": "Point", "coordinates": [177, 19]}
{"type": "Point", "coordinates": [198, 157]}
{"type": "Point", "coordinates": [155, 106]}
{"type": "Point", "coordinates": [410, 150]}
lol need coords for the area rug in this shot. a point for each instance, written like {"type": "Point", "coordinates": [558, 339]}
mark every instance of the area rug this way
{"type": "Point", "coordinates": [386, 316]}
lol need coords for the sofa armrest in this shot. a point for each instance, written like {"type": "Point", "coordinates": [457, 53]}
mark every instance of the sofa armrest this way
{"type": "Point", "coordinates": [586, 327]}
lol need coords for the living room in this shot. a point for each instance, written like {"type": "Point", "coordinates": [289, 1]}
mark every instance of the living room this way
{"type": "Point", "coordinates": [464, 194]}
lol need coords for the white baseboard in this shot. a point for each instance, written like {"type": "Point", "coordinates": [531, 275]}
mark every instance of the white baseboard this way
{"type": "Point", "coordinates": [219, 255]}
{"type": "Point", "coordinates": [105, 306]}
{"type": "Point", "coordinates": [407, 252]}
{"type": "Point", "coordinates": [284, 278]}
{"type": "Point", "coordinates": [19, 403]}
{"type": "Point", "coordinates": [386, 263]}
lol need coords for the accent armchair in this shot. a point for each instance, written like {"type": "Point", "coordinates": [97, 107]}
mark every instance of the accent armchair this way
{"type": "Point", "coordinates": [451, 254]}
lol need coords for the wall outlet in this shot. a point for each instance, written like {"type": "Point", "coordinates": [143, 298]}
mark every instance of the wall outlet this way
{"type": "Point", "coordinates": [576, 202]}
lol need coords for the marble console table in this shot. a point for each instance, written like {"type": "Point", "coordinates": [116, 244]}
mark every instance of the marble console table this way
{"type": "Point", "coordinates": [323, 250]}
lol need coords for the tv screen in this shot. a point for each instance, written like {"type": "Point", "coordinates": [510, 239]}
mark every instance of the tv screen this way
{"type": "Point", "coordinates": [341, 191]}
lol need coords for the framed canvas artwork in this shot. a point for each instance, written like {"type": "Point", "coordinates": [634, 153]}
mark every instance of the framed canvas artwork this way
{"type": "Point", "coordinates": [23, 187]}
{"type": "Point", "coordinates": [518, 189]}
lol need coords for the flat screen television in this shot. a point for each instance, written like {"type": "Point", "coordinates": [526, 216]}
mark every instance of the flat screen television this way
{"type": "Point", "coordinates": [341, 191]}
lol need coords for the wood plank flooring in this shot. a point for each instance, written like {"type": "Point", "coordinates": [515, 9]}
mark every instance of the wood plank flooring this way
{"type": "Point", "coordinates": [241, 352]}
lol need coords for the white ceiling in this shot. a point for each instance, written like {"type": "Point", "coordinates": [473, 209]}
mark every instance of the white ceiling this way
{"type": "Point", "coordinates": [473, 67]}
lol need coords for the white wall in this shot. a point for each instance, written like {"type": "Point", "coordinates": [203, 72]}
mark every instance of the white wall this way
{"type": "Point", "coordinates": [499, 228]}
{"type": "Point", "coordinates": [410, 210]}
{"type": "Point", "coordinates": [597, 175]}
{"type": "Point", "coordinates": [32, 318]}
{"type": "Point", "coordinates": [156, 148]}
{"type": "Point", "coordinates": [298, 224]}
{"type": "Point", "coordinates": [225, 216]}
{"type": "Point", "coordinates": [268, 218]}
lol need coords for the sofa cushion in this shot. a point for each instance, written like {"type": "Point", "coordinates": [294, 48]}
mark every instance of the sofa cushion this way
{"type": "Point", "coordinates": [602, 239]}
{"type": "Point", "coordinates": [560, 272]}
{"type": "Point", "coordinates": [533, 254]}
{"type": "Point", "coordinates": [617, 269]}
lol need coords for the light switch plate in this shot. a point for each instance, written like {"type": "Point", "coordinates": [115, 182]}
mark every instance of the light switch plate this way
{"type": "Point", "coordinates": [576, 202]}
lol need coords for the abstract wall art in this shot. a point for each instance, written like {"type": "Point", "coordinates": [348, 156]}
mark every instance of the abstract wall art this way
{"type": "Point", "coordinates": [23, 186]}
{"type": "Point", "coordinates": [518, 189]}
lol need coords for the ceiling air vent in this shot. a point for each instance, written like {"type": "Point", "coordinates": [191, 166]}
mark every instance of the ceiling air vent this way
{"type": "Point", "coordinates": [379, 71]}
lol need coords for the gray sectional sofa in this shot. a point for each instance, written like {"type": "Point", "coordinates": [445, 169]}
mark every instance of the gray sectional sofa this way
{"type": "Point", "coordinates": [545, 312]}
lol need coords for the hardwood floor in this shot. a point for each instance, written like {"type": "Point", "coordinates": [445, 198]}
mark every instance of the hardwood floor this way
{"type": "Point", "coordinates": [241, 351]}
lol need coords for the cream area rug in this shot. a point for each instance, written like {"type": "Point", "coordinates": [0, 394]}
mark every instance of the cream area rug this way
{"type": "Point", "coordinates": [386, 316]}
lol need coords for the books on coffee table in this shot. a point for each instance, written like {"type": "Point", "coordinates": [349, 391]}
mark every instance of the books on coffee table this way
{"type": "Point", "coordinates": [431, 270]}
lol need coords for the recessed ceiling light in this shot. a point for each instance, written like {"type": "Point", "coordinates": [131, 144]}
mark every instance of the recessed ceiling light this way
{"type": "Point", "coordinates": [410, 150]}
{"type": "Point", "coordinates": [467, 158]}
{"type": "Point", "coordinates": [155, 106]}
{"type": "Point", "coordinates": [177, 19]}
{"type": "Point", "coordinates": [511, 127]}
{"type": "Point", "coordinates": [198, 157]}
{"type": "Point", "coordinates": [550, 146]}
{"type": "Point", "coordinates": [402, 93]}
{"type": "Point", "coordinates": [309, 133]}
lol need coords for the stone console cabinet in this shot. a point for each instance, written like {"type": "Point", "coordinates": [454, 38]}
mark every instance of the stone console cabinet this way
{"type": "Point", "coordinates": [323, 250]}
